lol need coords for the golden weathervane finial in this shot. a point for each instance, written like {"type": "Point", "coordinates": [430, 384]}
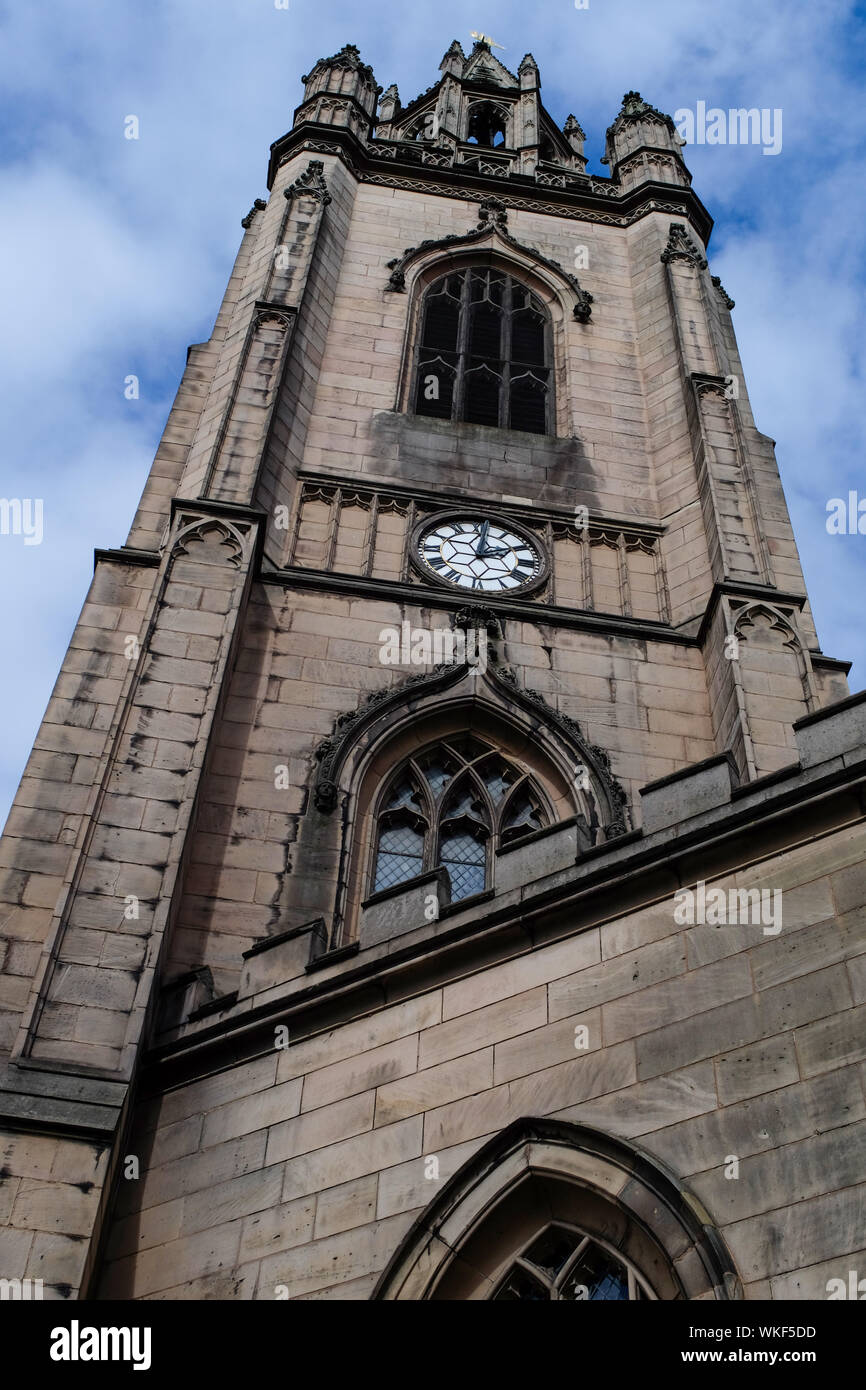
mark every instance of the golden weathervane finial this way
{"type": "Point", "coordinates": [485, 38]}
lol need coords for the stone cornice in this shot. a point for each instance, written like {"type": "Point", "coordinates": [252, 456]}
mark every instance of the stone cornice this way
{"type": "Point", "coordinates": [611, 208]}
{"type": "Point", "coordinates": [127, 555]}
{"type": "Point", "coordinates": [642, 629]}
{"type": "Point", "coordinates": [54, 1099]}
{"type": "Point", "coordinates": [445, 497]}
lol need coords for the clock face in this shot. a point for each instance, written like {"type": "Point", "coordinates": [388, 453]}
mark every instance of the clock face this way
{"type": "Point", "coordinates": [477, 554]}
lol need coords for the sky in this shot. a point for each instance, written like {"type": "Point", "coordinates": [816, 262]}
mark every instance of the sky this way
{"type": "Point", "coordinates": [114, 253]}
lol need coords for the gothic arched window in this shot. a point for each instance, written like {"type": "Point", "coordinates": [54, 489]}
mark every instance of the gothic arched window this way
{"type": "Point", "coordinates": [487, 124]}
{"type": "Point", "coordinates": [563, 1264]}
{"type": "Point", "coordinates": [450, 807]}
{"type": "Point", "coordinates": [484, 353]}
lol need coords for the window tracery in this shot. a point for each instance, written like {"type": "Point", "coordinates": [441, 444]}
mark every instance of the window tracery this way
{"type": "Point", "coordinates": [485, 352]}
{"type": "Point", "coordinates": [450, 807]}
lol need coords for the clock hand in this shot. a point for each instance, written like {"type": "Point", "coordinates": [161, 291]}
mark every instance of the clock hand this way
{"type": "Point", "coordinates": [482, 539]}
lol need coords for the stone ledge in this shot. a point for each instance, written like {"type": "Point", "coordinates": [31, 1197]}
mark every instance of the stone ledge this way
{"type": "Point", "coordinates": [128, 555]}
{"type": "Point", "coordinates": [403, 908]}
{"type": "Point", "coordinates": [687, 793]}
{"type": "Point", "coordinates": [536, 856]}
{"type": "Point", "coordinates": [60, 1101]}
{"type": "Point", "coordinates": [837, 730]}
{"type": "Point", "coordinates": [279, 959]}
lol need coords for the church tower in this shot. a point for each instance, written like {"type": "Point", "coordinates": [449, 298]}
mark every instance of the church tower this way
{"type": "Point", "coordinates": [445, 805]}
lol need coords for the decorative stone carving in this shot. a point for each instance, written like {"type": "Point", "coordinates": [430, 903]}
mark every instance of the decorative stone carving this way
{"type": "Point", "coordinates": [476, 616]}
{"type": "Point", "coordinates": [268, 317]}
{"type": "Point", "coordinates": [604, 188]}
{"type": "Point", "coordinates": [349, 56]}
{"type": "Point", "coordinates": [492, 212]}
{"type": "Point", "coordinates": [706, 385]}
{"type": "Point", "coordinates": [311, 183]}
{"type": "Point", "coordinates": [258, 206]}
{"type": "Point", "coordinates": [331, 751]}
{"type": "Point", "coordinates": [722, 293]}
{"type": "Point", "coordinates": [680, 247]}
{"type": "Point", "coordinates": [594, 756]}
{"type": "Point", "coordinates": [634, 108]}
{"type": "Point", "coordinates": [221, 543]}
{"type": "Point", "coordinates": [761, 618]}
{"type": "Point", "coordinates": [492, 216]}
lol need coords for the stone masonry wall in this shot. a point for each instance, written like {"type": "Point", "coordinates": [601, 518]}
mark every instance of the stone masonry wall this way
{"type": "Point", "coordinates": [308, 657]}
{"type": "Point", "coordinates": [304, 1168]}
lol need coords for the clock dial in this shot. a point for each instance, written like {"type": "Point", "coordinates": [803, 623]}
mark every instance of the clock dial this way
{"type": "Point", "coordinates": [479, 555]}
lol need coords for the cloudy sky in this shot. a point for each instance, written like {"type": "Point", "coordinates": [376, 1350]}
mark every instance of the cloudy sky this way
{"type": "Point", "coordinates": [115, 252]}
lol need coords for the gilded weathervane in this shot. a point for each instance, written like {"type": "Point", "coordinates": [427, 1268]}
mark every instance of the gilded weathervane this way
{"type": "Point", "coordinates": [485, 38]}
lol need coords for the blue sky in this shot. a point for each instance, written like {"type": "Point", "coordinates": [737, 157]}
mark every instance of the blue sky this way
{"type": "Point", "coordinates": [115, 252]}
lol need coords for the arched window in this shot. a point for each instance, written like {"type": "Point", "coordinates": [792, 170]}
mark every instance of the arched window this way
{"type": "Point", "coordinates": [548, 1210]}
{"type": "Point", "coordinates": [565, 1265]}
{"type": "Point", "coordinates": [487, 124]}
{"type": "Point", "coordinates": [484, 353]}
{"type": "Point", "coordinates": [450, 807]}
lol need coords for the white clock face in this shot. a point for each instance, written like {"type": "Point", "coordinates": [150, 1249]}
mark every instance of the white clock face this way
{"type": "Point", "coordinates": [481, 555]}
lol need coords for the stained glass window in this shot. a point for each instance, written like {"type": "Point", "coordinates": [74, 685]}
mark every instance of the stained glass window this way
{"type": "Point", "coordinates": [450, 806]}
{"type": "Point", "coordinates": [565, 1265]}
{"type": "Point", "coordinates": [484, 354]}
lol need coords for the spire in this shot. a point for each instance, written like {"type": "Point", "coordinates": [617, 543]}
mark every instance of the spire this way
{"type": "Point", "coordinates": [349, 56]}
{"type": "Point", "coordinates": [575, 135]}
{"type": "Point", "coordinates": [642, 146]}
{"type": "Point", "coordinates": [454, 60]}
{"type": "Point", "coordinates": [389, 104]}
{"type": "Point", "coordinates": [528, 73]}
{"type": "Point", "coordinates": [335, 89]}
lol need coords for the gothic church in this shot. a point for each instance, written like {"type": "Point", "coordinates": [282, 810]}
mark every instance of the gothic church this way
{"type": "Point", "coordinates": [382, 911]}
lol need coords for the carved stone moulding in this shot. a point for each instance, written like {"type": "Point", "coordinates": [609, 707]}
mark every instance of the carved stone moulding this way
{"type": "Point", "coordinates": [208, 538]}
{"type": "Point", "coordinates": [722, 293]}
{"type": "Point", "coordinates": [258, 206]}
{"type": "Point", "coordinates": [602, 187]}
{"type": "Point", "coordinates": [311, 184]}
{"type": "Point", "coordinates": [492, 220]}
{"type": "Point", "coordinates": [332, 752]}
{"type": "Point", "coordinates": [680, 247]}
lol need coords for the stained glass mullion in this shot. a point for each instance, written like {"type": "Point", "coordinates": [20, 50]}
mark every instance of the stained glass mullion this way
{"type": "Point", "coordinates": [538, 1274]}
{"type": "Point", "coordinates": [505, 384]}
{"type": "Point", "coordinates": [462, 347]}
{"type": "Point", "coordinates": [571, 1262]}
{"type": "Point", "coordinates": [550, 359]}
{"type": "Point", "coordinates": [509, 799]}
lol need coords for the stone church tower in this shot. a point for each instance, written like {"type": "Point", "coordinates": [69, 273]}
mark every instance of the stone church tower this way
{"type": "Point", "coordinates": [445, 805]}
